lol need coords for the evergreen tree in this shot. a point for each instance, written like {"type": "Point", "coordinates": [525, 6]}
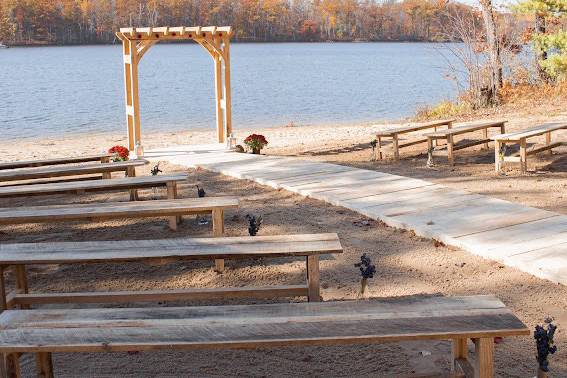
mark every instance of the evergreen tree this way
{"type": "Point", "coordinates": [548, 35]}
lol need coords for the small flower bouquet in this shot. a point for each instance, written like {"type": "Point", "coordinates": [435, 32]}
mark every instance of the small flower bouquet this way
{"type": "Point", "coordinates": [120, 153]}
{"type": "Point", "coordinates": [255, 142]}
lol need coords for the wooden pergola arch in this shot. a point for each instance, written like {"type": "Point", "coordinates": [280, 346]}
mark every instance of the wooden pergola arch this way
{"type": "Point", "coordinates": [137, 41]}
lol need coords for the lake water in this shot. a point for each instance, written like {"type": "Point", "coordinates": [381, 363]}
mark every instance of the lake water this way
{"type": "Point", "coordinates": [61, 90]}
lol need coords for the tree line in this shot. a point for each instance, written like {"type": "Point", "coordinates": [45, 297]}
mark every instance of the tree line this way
{"type": "Point", "coordinates": [95, 21]}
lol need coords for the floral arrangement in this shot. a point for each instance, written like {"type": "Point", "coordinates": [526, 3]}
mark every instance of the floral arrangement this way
{"type": "Point", "coordinates": [367, 270]}
{"type": "Point", "coordinates": [120, 153]}
{"type": "Point", "coordinates": [255, 142]}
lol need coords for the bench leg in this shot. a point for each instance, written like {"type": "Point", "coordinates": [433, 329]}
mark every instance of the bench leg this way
{"type": "Point", "coordinates": [485, 136]}
{"type": "Point", "coordinates": [218, 231]}
{"type": "Point", "coordinates": [106, 175]}
{"type": "Point", "coordinates": [450, 144]}
{"type": "Point", "coordinates": [313, 286]}
{"type": "Point", "coordinates": [523, 156]}
{"type": "Point", "coordinates": [429, 152]}
{"type": "Point", "coordinates": [172, 194]}
{"type": "Point", "coordinates": [498, 156]}
{"type": "Point", "coordinates": [131, 172]}
{"type": "Point", "coordinates": [379, 148]}
{"type": "Point", "coordinates": [134, 195]}
{"type": "Point", "coordinates": [395, 147]}
{"type": "Point", "coordinates": [461, 365]}
{"type": "Point", "coordinates": [11, 366]}
{"type": "Point", "coordinates": [44, 365]}
{"type": "Point", "coordinates": [3, 301]}
{"type": "Point", "coordinates": [484, 363]}
{"type": "Point", "coordinates": [21, 282]}
{"type": "Point", "coordinates": [548, 142]}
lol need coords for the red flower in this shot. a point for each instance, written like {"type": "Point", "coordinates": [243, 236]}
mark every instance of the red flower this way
{"type": "Point", "coordinates": [257, 138]}
{"type": "Point", "coordinates": [120, 153]}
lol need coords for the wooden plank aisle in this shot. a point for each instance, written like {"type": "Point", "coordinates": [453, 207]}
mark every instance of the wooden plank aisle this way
{"type": "Point", "coordinates": [361, 190]}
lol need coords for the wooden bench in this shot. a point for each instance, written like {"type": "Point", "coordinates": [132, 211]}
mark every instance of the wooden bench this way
{"type": "Point", "coordinates": [111, 210]}
{"type": "Point", "coordinates": [309, 246]}
{"type": "Point", "coordinates": [480, 318]}
{"type": "Point", "coordinates": [521, 137]}
{"type": "Point", "coordinates": [130, 183]}
{"type": "Point", "coordinates": [106, 169]}
{"type": "Point", "coordinates": [103, 158]}
{"type": "Point", "coordinates": [396, 132]}
{"type": "Point", "coordinates": [449, 136]}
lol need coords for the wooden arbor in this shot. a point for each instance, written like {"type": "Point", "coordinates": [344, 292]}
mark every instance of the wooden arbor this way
{"type": "Point", "coordinates": [137, 41]}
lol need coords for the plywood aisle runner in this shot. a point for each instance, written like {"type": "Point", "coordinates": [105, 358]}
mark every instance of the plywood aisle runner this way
{"type": "Point", "coordinates": [529, 239]}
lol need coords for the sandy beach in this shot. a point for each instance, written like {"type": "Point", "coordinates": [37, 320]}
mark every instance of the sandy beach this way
{"type": "Point", "coordinates": [406, 265]}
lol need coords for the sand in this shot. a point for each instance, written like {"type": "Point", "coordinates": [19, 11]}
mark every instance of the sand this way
{"type": "Point", "coordinates": [406, 265]}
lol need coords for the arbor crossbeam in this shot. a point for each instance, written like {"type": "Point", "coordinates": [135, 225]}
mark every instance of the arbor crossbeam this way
{"type": "Point", "coordinates": [137, 41]}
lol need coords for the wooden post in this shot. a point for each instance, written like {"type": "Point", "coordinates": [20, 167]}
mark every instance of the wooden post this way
{"type": "Point", "coordinates": [21, 282]}
{"type": "Point", "coordinates": [130, 54]}
{"type": "Point", "coordinates": [218, 231]}
{"type": "Point", "coordinates": [219, 91]}
{"type": "Point", "coordinates": [227, 88]}
{"type": "Point", "coordinates": [450, 145]}
{"type": "Point", "coordinates": [523, 156]}
{"type": "Point", "coordinates": [44, 365]}
{"type": "Point", "coordinates": [484, 362]}
{"type": "Point", "coordinates": [485, 136]}
{"type": "Point", "coordinates": [395, 147]}
{"type": "Point", "coordinates": [379, 148]}
{"type": "Point", "coordinates": [313, 286]}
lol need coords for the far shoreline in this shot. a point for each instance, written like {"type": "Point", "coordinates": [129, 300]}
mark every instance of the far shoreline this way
{"type": "Point", "coordinates": [118, 43]}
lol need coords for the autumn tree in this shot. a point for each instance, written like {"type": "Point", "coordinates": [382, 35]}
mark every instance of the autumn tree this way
{"type": "Point", "coordinates": [493, 46]}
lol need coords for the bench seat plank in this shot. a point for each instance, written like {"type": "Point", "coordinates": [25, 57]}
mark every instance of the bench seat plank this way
{"type": "Point", "coordinates": [413, 127]}
{"type": "Point", "coordinates": [155, 208]}
{"type": "Point", "coordinates": [56, 161]}
{"type": "Point", "coordinates": [349, 322]}
{"type": "Point", "coordinates": [178, 248]}
{"type": "Point", "coordinates": [90, 185]}
{"type": "Point", "coordinates": [465, 128]}
{"type": "Point", "coordinates": [73, 170]}
{"type": "Point", "coordinates": [531, 131]}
